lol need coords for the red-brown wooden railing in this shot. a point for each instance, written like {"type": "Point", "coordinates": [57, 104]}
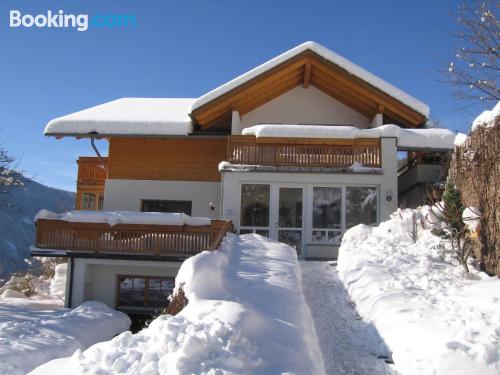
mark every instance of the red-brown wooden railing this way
{"type": "Point", "coordinates": [303, 152]}
{"type": "Point", "coordinates": [130, 238]}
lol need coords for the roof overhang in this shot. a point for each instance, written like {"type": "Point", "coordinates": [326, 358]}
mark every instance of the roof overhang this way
{"type": "Point", "coordinates": [310, 64]}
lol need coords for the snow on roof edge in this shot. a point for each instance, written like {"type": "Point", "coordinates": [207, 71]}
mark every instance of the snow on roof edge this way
{"type": "Point", "coordinates": [435, 138]}
{"type": "Point", "coordinates": [329, 55]}
{"type": "Point", "coordinates": [127, 116]}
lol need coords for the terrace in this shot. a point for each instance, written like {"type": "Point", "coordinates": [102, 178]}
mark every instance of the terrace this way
{"type": "Point", "coordinates": [59, 237]}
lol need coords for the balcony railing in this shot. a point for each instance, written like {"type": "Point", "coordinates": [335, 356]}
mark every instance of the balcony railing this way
{"type": "Point", "coordinates": [160, 240]}
{"type": "Point", "coordinates": [304, 152]}
{"type": "Point", "coordinates": [91, 171]}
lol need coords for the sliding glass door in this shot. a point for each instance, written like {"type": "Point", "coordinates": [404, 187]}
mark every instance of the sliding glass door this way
{"type": "Point", "coordinates": [255, 209]}
{"type": "Point", "coordinates": [297, 214]}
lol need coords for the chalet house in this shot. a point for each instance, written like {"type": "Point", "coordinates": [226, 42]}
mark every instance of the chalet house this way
{"type": "Point", "coordinates": [299, 149]}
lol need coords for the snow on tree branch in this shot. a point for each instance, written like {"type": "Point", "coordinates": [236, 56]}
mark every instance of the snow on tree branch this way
{"type": "Point", "coordinates": [474, 70]}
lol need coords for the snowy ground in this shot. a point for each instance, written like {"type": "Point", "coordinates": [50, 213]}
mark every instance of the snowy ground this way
{"type": "Point", "coordinates": [38, 329]}
{"type": "Point", "coordinates": [349, 345]}
{"type": "Point", "coordinates": [246, 315]}
{"type": "Point", "coordinates": [434, 318]}
{"type": "Point", "coordinates": [30, 337]}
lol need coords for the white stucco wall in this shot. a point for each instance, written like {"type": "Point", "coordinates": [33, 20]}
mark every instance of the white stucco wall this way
{"type": "Point", "coordinates": [126, 195]}
{"type": "Point", "coordinates": [96, 279]}
{"type": "Point", "coordinates": [304, 106]}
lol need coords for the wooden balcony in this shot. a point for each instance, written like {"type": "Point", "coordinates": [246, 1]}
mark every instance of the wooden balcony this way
{"type": "Point", "coordinates": [131, 239]}
{"type": "Point", "coordinates": [91, 171]}
{"type": "Point", "coordinates": [310, 152]}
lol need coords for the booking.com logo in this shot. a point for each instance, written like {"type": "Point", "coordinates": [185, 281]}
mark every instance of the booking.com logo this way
{"type": "Point", "coordinates": [80, 22]}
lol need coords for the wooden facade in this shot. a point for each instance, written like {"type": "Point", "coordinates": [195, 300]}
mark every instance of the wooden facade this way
{"type": "Point", "coordinates": [90, 182]}
{"type": "Point", "coordinates": [139, 239]}
{"type": "Point", "coordinates": [174, 159]}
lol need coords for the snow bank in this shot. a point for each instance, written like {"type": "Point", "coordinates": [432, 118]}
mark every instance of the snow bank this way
{"type": "Point", "coordinates": [407, 138]}
{"type": "Point", "coordinates": [128, 116]}
{"type": "Point", "coordinates": [487, 118]}
{"type": "Point", "coordinates": [246, 315]}
{"type": "Point", "coordinates": [434, 318]}
{"type": "Point", "coordinates": [29, 338]}
{"type": "Point", "coordinates": [125, 217]}
{"type": "Point", "coordinates": [58, 283]}
{"type": "Point", "coordinates": [327, 54]}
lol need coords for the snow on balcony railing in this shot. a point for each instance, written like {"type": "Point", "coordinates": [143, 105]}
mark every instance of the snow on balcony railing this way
{"type": "Point", "coordinates": [304, 152]}
{"type": "Point", "coordinates": [148, 233]}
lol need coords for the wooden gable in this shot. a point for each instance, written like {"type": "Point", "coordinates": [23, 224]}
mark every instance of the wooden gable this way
{"type": "Point", "coordinates": [306, 68]}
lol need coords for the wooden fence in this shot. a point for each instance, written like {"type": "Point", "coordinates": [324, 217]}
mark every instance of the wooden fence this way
{"type": "Point", "coordinates": [130, 238]}
{"type": "Point", "coordinates": [304, 152]}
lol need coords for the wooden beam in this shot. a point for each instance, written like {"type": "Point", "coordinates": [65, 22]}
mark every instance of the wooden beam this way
{"type": "Point", "coordinates": [295, 64]}
{"type": "Point", "coordinates": [307, 74]}
{"type": "Point", "coordinates": [360, 87]}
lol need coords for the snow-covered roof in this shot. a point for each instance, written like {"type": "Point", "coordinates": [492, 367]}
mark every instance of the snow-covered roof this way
{"type": "Point", "coordinates": [438, 139]}
{"type": "Point", "coordinates": [329, 55]}
{"type": "Point", "coordinates": [128, 116]}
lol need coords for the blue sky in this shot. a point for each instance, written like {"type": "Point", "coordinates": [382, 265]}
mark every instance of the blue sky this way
{"type": "Point", "coordinates": [185, 48]}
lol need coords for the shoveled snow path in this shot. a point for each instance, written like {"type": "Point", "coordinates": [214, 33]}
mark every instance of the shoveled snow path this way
{"type": "Point", "coordinates": [349, 345]}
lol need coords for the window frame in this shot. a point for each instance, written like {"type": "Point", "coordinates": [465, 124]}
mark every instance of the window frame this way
{"type": "Point", "coordinates": [343, 213]}
{"type": "Point", "coordinates": [82, 204]}
{"type": "Point", "coordinates": [145, 307]}
{"type": "Point", "coordinates": [256, 229]}
{"type": "Point", "coordinates": [143, 201]}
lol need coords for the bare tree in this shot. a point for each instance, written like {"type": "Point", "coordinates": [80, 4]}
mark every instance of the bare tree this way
{"type": "Point", "coordinates": [474, 70]}
{"type": "Point", "coordinates": [8, 176]}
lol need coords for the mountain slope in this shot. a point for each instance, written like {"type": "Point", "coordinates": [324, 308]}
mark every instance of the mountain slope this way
{"type": "Point", "coordinates": [18, 206]}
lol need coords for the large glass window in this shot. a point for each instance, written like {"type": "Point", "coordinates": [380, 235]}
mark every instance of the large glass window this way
{"type": "Point", "coordinates": [361, 205]}
{"type": "Point", "coordinates": [150, 205]}
{"type": "Point", "coordinates": [254, 205]}
{"type": "Point", "coordinates": [144, 292]}
{"type": "Point", "coordinates": [327, 214]}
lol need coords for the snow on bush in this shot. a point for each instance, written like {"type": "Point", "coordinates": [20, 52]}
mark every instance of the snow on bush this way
{"type": "Point", "coordinates": [486, 118]}
{"type": "Point", "coordinates": [29, 338]}
{"type": "Point", "coordinates": [434, 317]}
{"type": "Point", "coordinates": [246, 315]}
{"type": "Point", "coordinates": [472, 218]}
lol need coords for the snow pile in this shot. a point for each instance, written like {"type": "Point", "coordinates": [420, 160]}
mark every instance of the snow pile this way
{"type": "Point", "coordinates": [407, 138]}
{"type": "Point", "coordinates": [330, 56]}
{"type": "Point", "coordinates": [472, 218]}
{"type": "Point", "coordinates": [125, 217]}
{"type": "Point", "coordinates": [29, 338]}
{"type": "Point", "coordinates": [433, 317]}
{"type": "Point", "coordinates": [246, 315]}
{"type": "Point", "coordinates": [128, 116]}
{"type": "Point", "coordinates": [487, 118]}
{"type": "Point", "coordinates": [58, 283]}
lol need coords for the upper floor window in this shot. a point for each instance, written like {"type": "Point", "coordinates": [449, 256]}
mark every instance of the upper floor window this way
{"type": "Point", "coordinates": [88, 201]}
{"type": "Point", "coordinates": [150, 205]}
